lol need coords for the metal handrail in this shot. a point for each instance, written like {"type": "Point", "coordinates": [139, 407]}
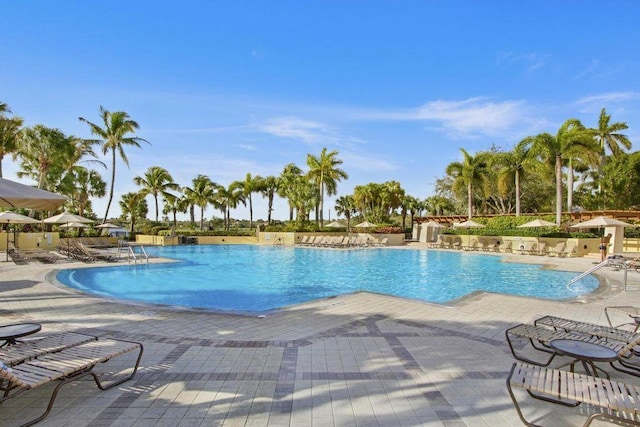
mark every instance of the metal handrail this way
{"type": "Point", "coordinates": [589, 271]}
{"type": "Point", "coordinates": [131, 254]}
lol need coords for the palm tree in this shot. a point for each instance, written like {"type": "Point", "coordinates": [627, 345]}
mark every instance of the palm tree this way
{"type": "Point", "coordinates": [133, 206]}
{"type": "Point", "coordinates": [270, 185]}
{"type": "Point", "coordinates": [44, 155]}
{"type": "Point", "coordinates": [346, 206]}
{"type": "Point", "coordinates": [467, 174]}
{"type": "Point", "coordinates": [516, 164]}
{"type": "Point", "coordinates": [174, 204]}
{"type": "Point", "coordinates": [117, 125]}
{"type": "Point", "coordinates": [229, 198]}
{"type": "Point", "coordinates": [250, 185]}
{"type": "Point", "coordinates": [203, 192]}
{"type": "Point", "coordinates": [324, 172]}
{"type": "Point", "coordinates": [80, 184]}
{"type": "Point", "coordinates": [287, 180]}
{"type": "Point", "coordinates": [10, 129]}
{"type": "Point", "coordinates": [609, 136]}
{"type": "Point", "coordinates": [156, 181]}
{"type": "Point", "coordinates": [554, 149]}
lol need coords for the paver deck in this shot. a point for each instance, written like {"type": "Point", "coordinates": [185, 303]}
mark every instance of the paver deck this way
{"type": "Point", "coordinates": [355, 360]}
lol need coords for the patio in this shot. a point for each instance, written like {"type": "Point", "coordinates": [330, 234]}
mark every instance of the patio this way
{"type": "Point", "coordinates": [361, 359]}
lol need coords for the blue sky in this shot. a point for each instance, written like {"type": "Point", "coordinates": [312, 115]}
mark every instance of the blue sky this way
{"type": "Point", "coordinates": [226, 88]}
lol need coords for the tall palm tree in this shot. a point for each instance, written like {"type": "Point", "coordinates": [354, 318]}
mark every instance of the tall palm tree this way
{"type": "Point", "coordinates": [202, 193]}
{"type": "Point", "coordinates": [346, 206]}
{"type": "Point", "coordinates": [44, 155]}
{"type": "Point", "coordinates": [270, 185]}
{"type": "Point", "coordinates": [571, 137]}
{"type": "Point", "coordinates": [156, 181]}
{"type": "Point", "coordinates": [10, 129]}
{"type": "Point", "coordinates": [133, 206]}
{"type": "Point", "coordinates": [80, 184]}
{"type": "Point", "coordinates": [324, 171]}
{"type": "Point", "coordinates": [471, 171]}
{"type": "Point", "coordinates": [609, 136]}
{"type": "Point", "coordinates": [250, 185]}
{"type": "Point", "coordinates": [174, 204]}
{"type": "Point", "coordinates": [287, 180]}
{"type": "Point", "coordinates": [229, 198]}
{"type": "Point", "coordinates": [114, 137]}
{"type": "Point", "coordinates": [516, 164]}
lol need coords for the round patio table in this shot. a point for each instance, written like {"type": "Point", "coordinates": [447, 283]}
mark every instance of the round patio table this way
{"type": "Point", "coordinates": [585, 352]}
{"type": "Point", "coordinates": [10, 333]}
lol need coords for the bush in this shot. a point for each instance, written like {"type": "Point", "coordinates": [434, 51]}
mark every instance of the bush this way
{"type": "Point", "coordinates": [388, 230]}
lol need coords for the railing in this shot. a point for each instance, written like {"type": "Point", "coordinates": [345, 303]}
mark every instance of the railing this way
{"type": "Point", "coordinates": [589, 271]}
{"type": "Point", "coordinates": [131, 254]}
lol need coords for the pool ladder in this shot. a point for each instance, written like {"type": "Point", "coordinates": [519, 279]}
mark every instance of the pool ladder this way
{"type": "Point", "coordinates": [604, 263]}
{"type": "Point", "coordinates": [131, 255]}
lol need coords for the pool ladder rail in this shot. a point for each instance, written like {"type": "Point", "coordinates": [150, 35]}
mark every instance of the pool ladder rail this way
{"type": "Point", "coordinates": [606, 262]}
{"type": "Point", "coordinates": [132, 255]}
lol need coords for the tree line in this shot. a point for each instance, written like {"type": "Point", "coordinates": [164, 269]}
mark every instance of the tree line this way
{"type": "Point", "coordinates": [591, 163]}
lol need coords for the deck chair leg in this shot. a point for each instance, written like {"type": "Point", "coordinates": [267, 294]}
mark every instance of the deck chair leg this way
{"type": "Point", "coordinates": [524, 359]}
{"type": "Point", "coordinates": [100, 384]}
{"type": "Point", "coordinates": [53, 398]}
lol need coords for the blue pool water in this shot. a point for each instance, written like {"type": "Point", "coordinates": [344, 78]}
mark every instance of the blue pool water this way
{"type": "Point", "coordinates": [254, 278]}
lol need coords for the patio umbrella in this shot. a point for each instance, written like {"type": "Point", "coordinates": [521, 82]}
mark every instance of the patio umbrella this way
{"type": "Point", "coordinates": [109, 225]}
{"type": "Point", "coordinates": [9, 217]}
{"type": "Point", "coordinates": [67, 218]}
{"type": "Point", "coordinates": [600, 223]}
{"type": "Point", "coordinates": [365, 224]}
{"type": "Point", "coordinates": [335, 224]}
{"type": "Point", "coordinates": [469, 224]}
{"type": "Point", "coordinates": [537, 223]}
{"type": "Point", "coordinates": [16, 195]}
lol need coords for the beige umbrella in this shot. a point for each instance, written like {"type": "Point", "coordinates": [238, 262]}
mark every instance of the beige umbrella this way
{"type": "Point", "coordinates": [537, 223]}
{"type": "Point", "coordinates": [9, 217]}
{"type": "Point", "coordinates": [16, 195]}
{"type": "Point", "coordinates": [433, 224]}
{"type": "Point", "coordinates": [74, 225]}
{"type": "Point", "coordinates": [599, 223]}
{"type": "Point", "coordinates": [469, 224]}
{"type": "Point", "coordinates": [67, 219]}
{"type": "Point", "coordinates": [365, 224]}
{"type": "Point", "coordinates": [109, 225]}
{"type": "Point", "coordinates": [335, 224]}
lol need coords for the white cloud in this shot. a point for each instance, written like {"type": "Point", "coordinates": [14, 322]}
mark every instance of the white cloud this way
{"type": "Point", "coordinates": [531, 61]}
{"type": "Point", "coordinates": [467, 118]}
{"type": "Point", "coordinates": [248, 147]}
{"type": "Point", "coordinates": [612, 97]}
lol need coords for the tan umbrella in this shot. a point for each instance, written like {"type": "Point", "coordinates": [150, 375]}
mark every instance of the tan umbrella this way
{"type": "Point", "coordinates": [433, 224]}
{"type": "Point", "coordinates": [67, 218]}
{"type": "Point", "coordinates": [74, 225]}
{"type": "Point", "coordinates": [16, 195]}
{"type": "Point", "coordinates": [537, 223]}
{"type": "Point", "coordinates": [365, 224]}
{"type": "Point", "coordinates": [109, 225]}
{"type": "Point", "coordinates": [469, 224]}
{"type": "Point", "coordinates": [599, 223]}
{"type": "Point", "coordinates": [9, 217]}
{"type": "Point", "coordinates": [335, 224]}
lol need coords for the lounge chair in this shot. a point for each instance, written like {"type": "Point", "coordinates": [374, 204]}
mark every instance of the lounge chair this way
{"type": "Point", "coordinates": [507, 249]}
{"type": "Point", "coordinates": [539, 338]}
{"type": "Point", "coordinates": [16, 256]}
{"type": "Point", "coordinates": [66, 365]}
{"type": "Point", "coordinates": [382, 242]}
{"type": "Point", "coordinates": [622, 316]}
{"type": "Point", "coordinates": [304, 240]}
{"type": "Point", "coordinates": [26, 350]}
{"type": "Point", "coordinates": [473, 245]}
{"type": "Point", "coordinates": [612, 400]}
{"type": "Point", "coordinates": [528, 248]}
{"type": "Point", "coordinates": [562, 324]}
{"type": "Point", "coordinates": [557, 249]}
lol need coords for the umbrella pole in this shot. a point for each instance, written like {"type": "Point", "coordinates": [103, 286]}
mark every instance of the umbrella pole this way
{"type": "Point", "coordinates": [7, 230]}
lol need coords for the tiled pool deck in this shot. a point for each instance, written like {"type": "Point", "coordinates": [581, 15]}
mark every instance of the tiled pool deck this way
{"type": "Point", "coordinates": [356, 360]}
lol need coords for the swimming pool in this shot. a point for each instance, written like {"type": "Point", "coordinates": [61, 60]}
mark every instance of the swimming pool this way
{"type": "Point", "coordinates": [258, 278]}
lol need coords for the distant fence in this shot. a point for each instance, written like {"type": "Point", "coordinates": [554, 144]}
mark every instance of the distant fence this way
{"type": "Point", "coordinates": [631, 245]}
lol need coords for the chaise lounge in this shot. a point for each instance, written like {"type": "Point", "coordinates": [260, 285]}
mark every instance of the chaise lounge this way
{"type": "Point", "coordinates": [609, 400]}
{"type": "Point", "coordinates": [65, 365]}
